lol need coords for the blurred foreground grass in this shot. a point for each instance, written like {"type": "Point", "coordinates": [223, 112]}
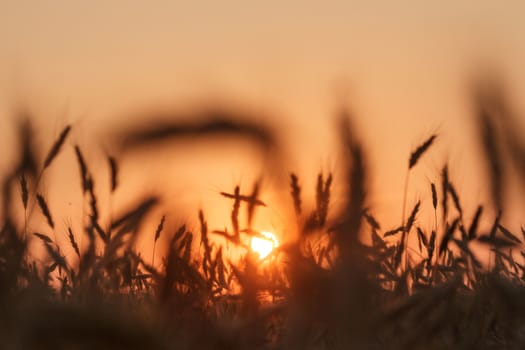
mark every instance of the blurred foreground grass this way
{"type": "Point", "coordinates": [345, 282]}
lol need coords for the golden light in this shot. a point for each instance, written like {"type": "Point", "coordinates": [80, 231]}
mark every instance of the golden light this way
{"type": "Point", "coordinates": [264, 245]}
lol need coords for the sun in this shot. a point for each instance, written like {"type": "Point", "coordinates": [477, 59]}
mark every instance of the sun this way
{"type": "Point", "coordinates": [264, 245]}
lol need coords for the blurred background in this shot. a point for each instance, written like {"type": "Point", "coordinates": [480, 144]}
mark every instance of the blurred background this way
{"type": "Point", "coordinates": [404, 70]}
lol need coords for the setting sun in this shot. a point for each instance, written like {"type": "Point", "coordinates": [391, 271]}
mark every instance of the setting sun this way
{"type": "Point", "coordinates": [263, 246]}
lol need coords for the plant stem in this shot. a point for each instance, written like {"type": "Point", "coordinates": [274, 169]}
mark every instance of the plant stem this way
{"type": "Point", "coordinates": [404, 237]}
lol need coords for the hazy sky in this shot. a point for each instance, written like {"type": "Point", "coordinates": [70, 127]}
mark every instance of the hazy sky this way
{"type": "Point", "coordinates": [403, 66]}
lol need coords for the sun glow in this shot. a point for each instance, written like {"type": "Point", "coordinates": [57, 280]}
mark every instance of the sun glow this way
{"type": "Point", "coordinates": [264, 245]}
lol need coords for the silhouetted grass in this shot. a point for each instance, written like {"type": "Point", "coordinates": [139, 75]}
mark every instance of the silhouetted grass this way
{"type": "Point", "coordinates": [344, 282]}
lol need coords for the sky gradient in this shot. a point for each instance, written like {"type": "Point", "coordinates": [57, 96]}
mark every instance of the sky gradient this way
{"type": "Point", "coordinates": [404, 70]}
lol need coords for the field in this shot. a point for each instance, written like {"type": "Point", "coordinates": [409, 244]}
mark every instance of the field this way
{"type": "Point", "coordinates": [344, 281]}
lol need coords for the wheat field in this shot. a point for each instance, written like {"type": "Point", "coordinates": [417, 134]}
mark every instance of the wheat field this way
{"type": "Point", "coordinates": [344, 282]}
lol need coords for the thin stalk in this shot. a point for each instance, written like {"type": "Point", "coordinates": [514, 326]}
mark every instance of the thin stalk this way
{"type": "Point", "coordinates": [404, 236]}
{"type": "Point", "coordinates": [153, 254]}
{"type": "Point", "coordinates": [25, 223]}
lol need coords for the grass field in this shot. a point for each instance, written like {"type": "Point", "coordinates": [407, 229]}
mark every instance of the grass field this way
{"type": "Point", "coordinates": [345, 282]}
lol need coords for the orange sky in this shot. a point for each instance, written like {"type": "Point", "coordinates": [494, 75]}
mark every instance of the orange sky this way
{"type": "Point", "coordinates": [404, 68]}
